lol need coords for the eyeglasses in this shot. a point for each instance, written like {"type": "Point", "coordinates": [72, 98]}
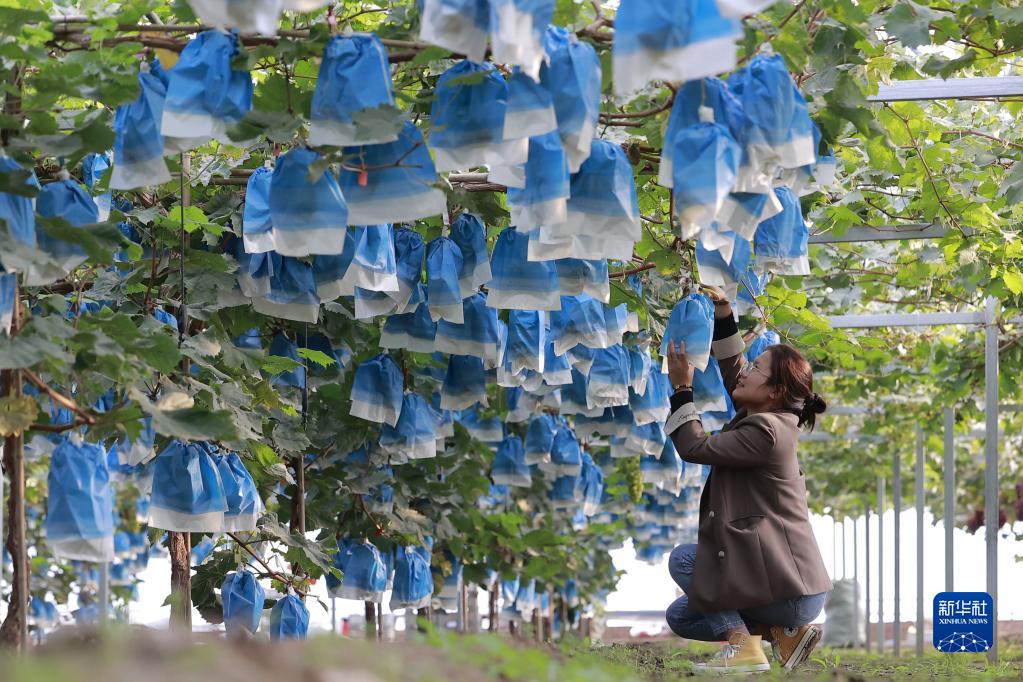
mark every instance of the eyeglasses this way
{"type": "Point", "coordinates": [751, 367]}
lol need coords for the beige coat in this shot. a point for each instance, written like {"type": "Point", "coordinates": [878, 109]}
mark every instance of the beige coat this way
{"type": "Point", "coordinates": [755, 542]}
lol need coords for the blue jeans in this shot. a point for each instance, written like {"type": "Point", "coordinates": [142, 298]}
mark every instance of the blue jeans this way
{"type": "Point", "coordinates": [708, 627]}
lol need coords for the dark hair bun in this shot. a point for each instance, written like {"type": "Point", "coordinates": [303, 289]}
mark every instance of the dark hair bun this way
{"type": "Point", "coordinates": [816, 403]}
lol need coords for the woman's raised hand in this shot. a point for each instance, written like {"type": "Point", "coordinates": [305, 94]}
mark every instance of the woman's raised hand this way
{"type": "Point", "coordinates": [722, 306]}
{"type": "Point", "coordinates": [680, 372]}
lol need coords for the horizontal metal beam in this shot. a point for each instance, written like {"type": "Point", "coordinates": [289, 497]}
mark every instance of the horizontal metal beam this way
{"type": "Point", "coordinates": [949, 88]}
{"type": "Point", "coordinates": [882, 233]}
{"type": "Point", "coordinates": [871, 321]}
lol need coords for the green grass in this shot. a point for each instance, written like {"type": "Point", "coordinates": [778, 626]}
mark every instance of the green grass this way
{"type": "Point", "coordinates": [658, 661]}
{"type": "Point", "coordinates": [161, 656]}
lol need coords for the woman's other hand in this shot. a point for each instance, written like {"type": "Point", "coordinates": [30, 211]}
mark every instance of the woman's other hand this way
{"type": "Point", "coordinates": [680, 372]}
{"type": "Point", "coordinates": [722, 306]}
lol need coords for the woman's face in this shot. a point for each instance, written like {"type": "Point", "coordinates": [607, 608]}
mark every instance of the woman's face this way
{"type": "Point", "coordinates": [753, 390]}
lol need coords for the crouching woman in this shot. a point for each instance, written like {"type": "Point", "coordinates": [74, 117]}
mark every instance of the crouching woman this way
{"type": "Point", "coordinates": [756, 573]}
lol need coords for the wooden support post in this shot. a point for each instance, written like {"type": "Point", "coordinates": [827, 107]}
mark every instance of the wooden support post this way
{"type": "Point", "coordinates": [493, 613]}
{"type": "Point", "coordinates": [370, 610]}
{"type": "Point", "coordinates": [473, 608]}
{"type": "Point", "coordinates": [537, 624]}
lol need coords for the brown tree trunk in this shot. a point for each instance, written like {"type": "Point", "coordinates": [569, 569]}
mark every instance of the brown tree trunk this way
{"type": "Point", "coordinates": [495, 624]}
{"type": "Point", "coordinates": [370, 610]}
{"type": "Point", "coordinates": [14, 631]}
{"type": "Point", "coordinates": [181, 580]}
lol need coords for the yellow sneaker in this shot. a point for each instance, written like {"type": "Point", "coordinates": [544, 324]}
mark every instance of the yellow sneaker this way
{"type": "Point", "coordinates": [792, 646]}
{"type": "Point", "coordinates": [742, 655]}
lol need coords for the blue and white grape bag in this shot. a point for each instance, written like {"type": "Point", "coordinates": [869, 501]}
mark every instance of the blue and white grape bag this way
{"type": "Point", "coordinates": [762, 342]}
{"type": "Point", "coordinates": [709, 393]}
{"type": "Point", "coordinates": [573, 397]}
{"type": "Point", "coordinates": [530, 108]}
{"type": "Point", "coordinates": [726, 267]}
{"type": "Point", "coordinates": [543, 197]}
{"type": "Point", "coordinates": [308, 216]}
{"type": "Point", "coordinates": [464, 384]}
{"type": "Point", "coordinates": [291, 292]}
{"type": "Point", "coordinates": [365, 574]}
{"type": "Point", "coordinates": [609, 377]}
{"type": "Point", "coordinates": [245, 16]}
{"type": "Point", "coordinates": [540, 439]}
{"type": "Point", "coordinates": [374, 264]}
{"type": "Point", "coordinates": [467, 119]}
{"type": "Point", "coordinates": [566, 455]}
{"type": "Point", "coordinates": [593, 486]}
{"type": "Point", "coordinates": [527, 340]}
{"type": "Point", "coordinates": [653, 405]}
{"type": "Point", "coordinates": [415, 331]}
{"type": "Point", "coordinates": [257, 226]}
{"type": "Point", "coordinates": [581, 321]}
{"type": "Point", "coordinates": [584, 277]}
{"type": "Point", "coordinates": [79, 524]}
{"type": "Point", "coordinates": [777, 130]}
{"type": "Point", "coordinates": [244, 506]}
{"type": "Point", "coordinates": [138, 136]}
{"type": "Point", "coordinates": [742, 8]}
{"type": "Point", "coordinates": [413, 582]}
{"type": "Point", "coordinates": [510, 466]}
{"type": "Point", "coordinates": [517, 30]}
{"type": "Point", "coordinates": [647, 439]}
{"type": "Point", "coordinates": [692, 322]}
{"type": "Point", "coordinates": [572, 76]}
{"type": "Point", "coordinates": [468, 232]}
{"type": "Point", "coordinates": [685, 112]}
{"type": "Point", "coordinates": [205, 94]}
{"type": "Point", "coordinates": [69, 201]}
{"type": "Point", "coordinates": [672, 41]}
{"type": "Point", "coordinates": [409, 251]}
{"type": "Point", "coordinates": [461, 26]}
{"type": "Point", "coordinates": [443, 267]}
{"type": "Point", "coordinates": [354, 78]}
{"type": "Point", "coordinates": [242, 597]}
{"type": "Point", "coordinates": [377, 390]}
{"type": "Point", "coordinates": [415, 434]}
{"type": "Point", "coordinates": [518, 283]}
{"type": "Point", "coordinates": [477, 335]}
{"type": "Point", "coordinates": [188, 493]}
{"type": "Point", "coordinates": [781, 242]}
{"type": "Point", "coordinates": [603, 209]}
{"type": "Point", "coordinates": [94, 166]}
{"type": "Point", "coordinates": [705, 160]}
{"type": "Point", "coordinates": [391, 182]}
{"type": "Point", "coordinates": [289, 619]}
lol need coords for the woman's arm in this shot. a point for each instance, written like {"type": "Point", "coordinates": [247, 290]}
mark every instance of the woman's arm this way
{"type": "Point", "coordinates": [744, 446]}
{"type": "Point", "coordinates": [728, 345]}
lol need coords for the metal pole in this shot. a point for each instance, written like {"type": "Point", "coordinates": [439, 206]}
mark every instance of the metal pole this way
{"type": "Point", "coordinates": [844, 519]}
{"type": "Point", "coordinates": [896, 553]}
{"type": "Point", "coordinates": [991, 463]}
{"type": "Point", "coordinates": [880, 564]}
{"type": "Point", "coordinates": [333, 615]}
{"type": "Point", "coordinates": [856, 583]}
{"type": "Point", "coordinates": [919, 495]}
{"type": "Point", "coordinates": [104, 592]}
{"type": "Point", "coordinates": [950, 493]}
{"type": "Point", "coordinates": [866, 568]}
{"type": "Point", "coordinates": [834, 548]}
